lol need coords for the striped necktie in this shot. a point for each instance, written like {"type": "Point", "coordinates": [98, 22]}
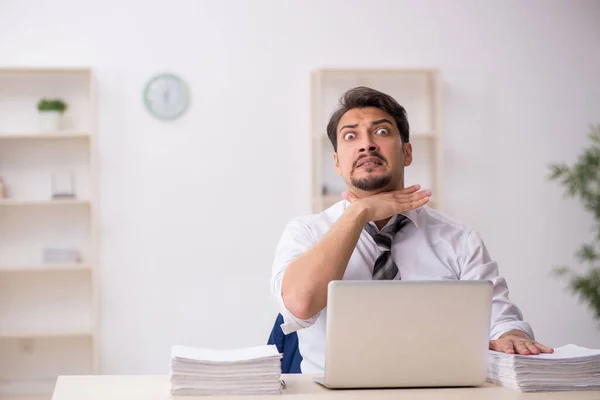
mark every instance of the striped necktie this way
{"type": "Point", "coordinates": [385, 267]}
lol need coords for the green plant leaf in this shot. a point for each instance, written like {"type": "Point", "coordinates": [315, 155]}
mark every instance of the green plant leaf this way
{"type": "Point", "coordinates": [561, 271]}
{"type": "Point", "coordinates": [587, 253]}
{"type": "Point", "coordinates": [558, 171]}
{"type": "Point", "coordinates": [587, 287]}
{"type": "Point", "coordinates": [51, 105]}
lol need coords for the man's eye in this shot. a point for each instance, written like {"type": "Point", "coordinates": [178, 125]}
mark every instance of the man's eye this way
{"type": "Point", "coordinates": [349, 136]}
{"type": "Point", "coordinates": [382, 131]}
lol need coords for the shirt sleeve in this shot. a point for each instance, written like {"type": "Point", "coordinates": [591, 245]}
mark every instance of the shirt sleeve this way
{"type": "Point", "coordinates": [478, 265]}
{"type": "Point", "coordinates": [295, 240]}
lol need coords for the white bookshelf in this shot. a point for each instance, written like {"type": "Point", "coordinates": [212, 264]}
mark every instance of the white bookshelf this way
{"type": "Point", "coordinates": [48, 311]}
{"type": "Point", "coordinates": [417, 90]}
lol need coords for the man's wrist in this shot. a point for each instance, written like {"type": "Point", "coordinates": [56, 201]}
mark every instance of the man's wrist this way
{"type": "Point", "coordinates": [358, 212]}
{"type": "Point", "coordinates": [516, 332]}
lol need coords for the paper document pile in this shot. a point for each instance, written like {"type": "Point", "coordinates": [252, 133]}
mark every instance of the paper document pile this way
{"type": "Point", "coordinates": [198, 372]}
{"type": "Point", "coordinates": [569, 368]}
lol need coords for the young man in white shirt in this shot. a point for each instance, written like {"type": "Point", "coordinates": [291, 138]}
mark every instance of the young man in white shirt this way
{"type": "Point", "coordinates": [370, 135]}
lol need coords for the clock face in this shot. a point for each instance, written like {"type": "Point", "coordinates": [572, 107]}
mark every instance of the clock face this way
{"type": "Point", "coordinates": [166, 96]}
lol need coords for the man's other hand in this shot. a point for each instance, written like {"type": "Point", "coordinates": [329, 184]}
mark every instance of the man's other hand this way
{"type": "Point", "coordinates": [517, 342]}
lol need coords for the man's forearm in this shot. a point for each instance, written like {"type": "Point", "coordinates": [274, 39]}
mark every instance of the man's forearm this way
{"type": "Point", "coordinates": [304, 284]}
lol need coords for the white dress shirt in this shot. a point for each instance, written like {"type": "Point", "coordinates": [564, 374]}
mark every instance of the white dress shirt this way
{"type": "Point", "coordinates": [430, 246]}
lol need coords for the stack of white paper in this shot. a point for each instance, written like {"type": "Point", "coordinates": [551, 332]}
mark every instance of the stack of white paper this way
{"type": "Point", "coordinates": [570, 367]}
{"type": "Point", "coordinates": [198, 372]}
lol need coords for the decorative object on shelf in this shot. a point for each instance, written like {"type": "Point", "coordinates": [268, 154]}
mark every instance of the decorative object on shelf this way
{"type": "Point", "coordinates": [582, 179]}
{"type": "Point", "coordinates": [166, 96]}
{"type": "Point", "coordinates": [51, 112]}
{"type": "Point", "coordinates": [62, 185]}
{"type": "Point", "coordinates": [54, 255]}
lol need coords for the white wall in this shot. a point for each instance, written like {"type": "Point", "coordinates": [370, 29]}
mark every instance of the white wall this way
{"type": "Point", "coordinates": [191, 210]}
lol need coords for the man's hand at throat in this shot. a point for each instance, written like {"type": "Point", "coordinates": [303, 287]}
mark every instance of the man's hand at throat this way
{"type": "Point", "coordinates": [378, 207]}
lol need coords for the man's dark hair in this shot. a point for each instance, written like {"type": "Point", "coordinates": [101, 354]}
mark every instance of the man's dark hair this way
{"type": "Point", "coordinates": [362, 97]}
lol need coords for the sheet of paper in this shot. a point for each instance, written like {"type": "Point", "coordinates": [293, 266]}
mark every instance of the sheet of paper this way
{"type": "Point", "coordinates": [225, 355]}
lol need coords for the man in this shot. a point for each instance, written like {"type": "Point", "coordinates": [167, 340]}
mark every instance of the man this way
{"type": "Point", "coordinates": [380, 230]}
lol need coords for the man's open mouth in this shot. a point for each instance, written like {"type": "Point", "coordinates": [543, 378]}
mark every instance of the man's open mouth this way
{"type": "Point", "coordinates": [369, 162]}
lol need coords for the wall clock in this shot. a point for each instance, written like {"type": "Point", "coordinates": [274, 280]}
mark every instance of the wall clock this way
{"type": "Point", "coordinates": [166, 96]}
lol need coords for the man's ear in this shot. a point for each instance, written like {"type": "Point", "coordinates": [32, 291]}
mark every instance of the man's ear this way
{"type": "Point", "coordinates": [407, 151]}
{"type": "Point", "coordinates": [336, 164]}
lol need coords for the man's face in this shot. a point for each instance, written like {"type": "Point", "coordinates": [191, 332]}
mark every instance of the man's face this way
{"type": "Point", "coordinates": [370, 154]}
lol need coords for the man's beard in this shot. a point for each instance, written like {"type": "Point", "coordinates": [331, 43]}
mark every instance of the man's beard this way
{"type": "Point", "coordinates": [370, 183]}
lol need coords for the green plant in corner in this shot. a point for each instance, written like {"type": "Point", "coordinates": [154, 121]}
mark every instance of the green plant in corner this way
{"type": "Point", "coordinates": [582, 180]}
{"type": "Point", "coordinates": [52, 105]}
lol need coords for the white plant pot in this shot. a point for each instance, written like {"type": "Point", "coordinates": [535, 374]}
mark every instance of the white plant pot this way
{"type": "Point", "coordinates": [50, 121]}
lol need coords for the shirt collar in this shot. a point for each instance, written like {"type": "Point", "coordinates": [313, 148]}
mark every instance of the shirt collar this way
{"type": "Point", "coordinates": [412, 216]}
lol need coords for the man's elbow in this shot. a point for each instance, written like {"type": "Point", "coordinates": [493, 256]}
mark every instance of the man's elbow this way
{"type": "Point", "coordinates": [299, 306]}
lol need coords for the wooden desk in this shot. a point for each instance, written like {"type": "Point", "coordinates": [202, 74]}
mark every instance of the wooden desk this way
{"type": "Point", "coordinates": [299, 387]}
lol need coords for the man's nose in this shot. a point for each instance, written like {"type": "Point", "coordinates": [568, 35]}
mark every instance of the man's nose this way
{"type": "Point", "coordinates": [368, 145]}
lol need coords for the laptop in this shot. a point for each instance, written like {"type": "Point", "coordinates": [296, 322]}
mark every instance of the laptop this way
{"type": "Point", "coordinates": [393, 334]}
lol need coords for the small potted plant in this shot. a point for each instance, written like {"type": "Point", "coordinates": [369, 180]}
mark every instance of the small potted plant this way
{"type": "Point", "coordinates": [51, 111]}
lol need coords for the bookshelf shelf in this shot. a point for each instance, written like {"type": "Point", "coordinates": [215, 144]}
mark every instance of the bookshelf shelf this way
{"type": "Point", "coordinates": [45, 268]}
{"type": "Point", "coordinates": [29, 203]}
{"type": "Point", "coordinates": [43, 135]}
{"type": "Point", "coordinates": [47, 333]}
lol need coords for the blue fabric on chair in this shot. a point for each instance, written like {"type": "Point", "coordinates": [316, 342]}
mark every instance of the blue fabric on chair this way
{"type": "Point", "coordinates": [288, 345]}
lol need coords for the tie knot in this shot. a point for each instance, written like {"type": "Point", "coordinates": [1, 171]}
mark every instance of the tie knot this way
{"type": "Point", "coordinates": [385, 237]}
{"type": "Point", "coordinates": [397, 225]}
